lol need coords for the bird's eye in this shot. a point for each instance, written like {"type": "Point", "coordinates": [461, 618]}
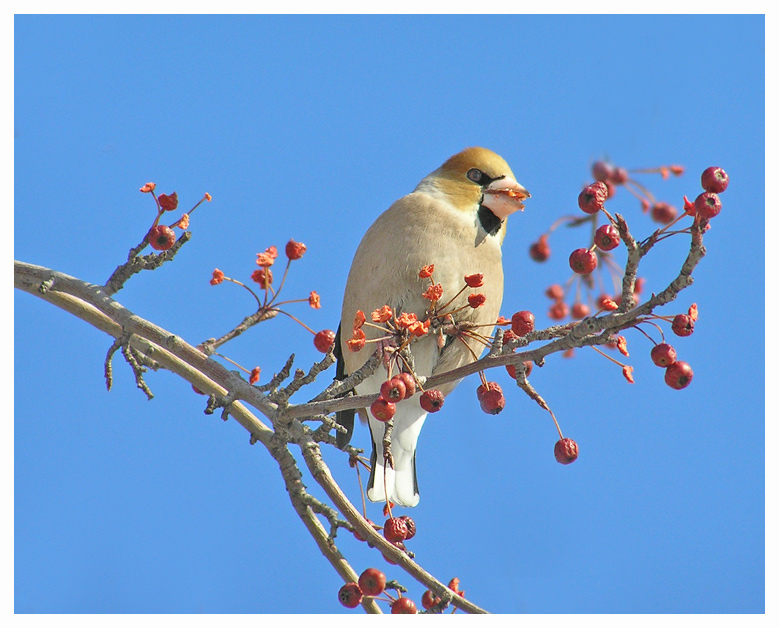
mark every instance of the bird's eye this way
{"type": "Point", "coordinates": [477, 176]}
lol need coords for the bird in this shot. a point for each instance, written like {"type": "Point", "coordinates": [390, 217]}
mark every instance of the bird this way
{"type": "Point", "coordinates": [454, 223]}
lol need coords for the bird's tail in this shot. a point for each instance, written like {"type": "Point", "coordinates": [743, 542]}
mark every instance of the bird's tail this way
{"type": "Point", "coordinates": [401, 479]}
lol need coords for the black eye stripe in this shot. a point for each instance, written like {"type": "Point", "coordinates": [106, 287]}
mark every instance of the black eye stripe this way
{"type": "Point", "coordinates": [477, 176]}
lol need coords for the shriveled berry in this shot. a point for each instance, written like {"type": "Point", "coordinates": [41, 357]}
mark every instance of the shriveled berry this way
{"type": "Point", "coordinates": [580, 310]}
{"type": "Point", "coordinates": [683, 325]}
{"type": "Point", "coordinates": [350, 595]}
{"type": "Point", "coordinates": [372, 582]}
{"type": "Point", "coordinates": [403, 606]}
{"type": "Point", "coordinates": [678, 375]}
{"type": "Point", "coordinates": [663, 213]}
{"type": "Point", "coordinates": [168, 202]}
{"type": "Point", "coordinates": [395, 529]}
{"type": "Point", "coordinates": [663, 354]}
{"type": "Point", "coordinates": [707, 205]}
{"type": "Point", "coordinates": [324, 339]}
{"type": "Point", "coordinates": [583, 261]}
{"type": "Point", "coordinates": [161, 237]}
{"type": "Point", "coordinates": [411, 527]}
{"type": "Point", "coordinates": [558, 311]}
{"type": "Point", "coordinates": [714, 179]}
{"type": "Point", "coordinates": [540, 249]}
{"type": "Point", "coordinates": [566, 450]}
{"type": "Point", "coordinates": [602, 171]}
{"type": "Point", "coordinates": [382, 410]}
{"type": "Point", "coordinates": [522, 323]}
{"type": "Point", "coordinates": [431, 400]}
{"type": "Point", "coordinates": [393, 390]}
{"type": "Point", "coordinates": [409, 382]}
{"type": "Point", "coordinates": [429, 600]}
{"type": "Point", "coordinates": [592, 197]}
{"type": "Point", "coordinates": [607, 237]}
{"type": "Point", "coordinates": [295, 250]}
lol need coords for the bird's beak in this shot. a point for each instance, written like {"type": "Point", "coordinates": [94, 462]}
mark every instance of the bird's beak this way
{"type": "Point", "coordinates": [504, 196]}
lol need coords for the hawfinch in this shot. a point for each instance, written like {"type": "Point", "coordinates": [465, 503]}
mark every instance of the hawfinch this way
{"type": "Point", "coordinates": [455, 220]}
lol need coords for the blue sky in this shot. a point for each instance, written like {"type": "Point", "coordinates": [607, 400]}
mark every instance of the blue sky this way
{"type": "Point", "coordinates": [307, 128]}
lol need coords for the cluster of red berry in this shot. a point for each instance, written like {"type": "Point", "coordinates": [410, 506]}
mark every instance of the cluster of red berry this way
{"type": "Point", "coordinates": [399, 387]}
{"type": "Point", "coordinates": [162, 237]}
{"type": "Point", "coordinates": [373, 583]}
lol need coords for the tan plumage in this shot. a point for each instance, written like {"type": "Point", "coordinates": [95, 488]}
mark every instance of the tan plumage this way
{"type": "Point", "coordinates": [457, 224]}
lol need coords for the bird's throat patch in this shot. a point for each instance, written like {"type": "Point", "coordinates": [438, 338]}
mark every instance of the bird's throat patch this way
{"type": "Point", "coordinates": [489, 221]}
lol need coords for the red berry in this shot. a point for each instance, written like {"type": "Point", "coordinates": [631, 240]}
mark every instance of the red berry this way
{"type": "Point", "coordinates": [663, 355]}
{"type": "Point", "coordinates": [512, 370]}
{"type": "Point", "coordinates": [403, 606]}
{"type": "Point", "coordinates": [683, 325]}
{"type": "Point", "coordinates": [707, 205]}
{"type": "Point", "coordinates": [431, 400]}
{"type": "Point", "coordinates": [583, 261]}
{"type": "Point", "coordinates": [324, 340]}
{"type": "Point", "coordinates": [602, 171]}
{"type": "Point", "coordinates": [607, 237]}
{"type": "Point", "coordinates": [555, 291]}
{"type": "Point", "coordinates": [350, 595]}
{"type": "Point", "coordinates": [580, 310]}
{"type": "Point", "coordinates": [540, 250]}
{"type": "Point", "coordinates": [522, 323]}
{"type": "Point", "coordinates": [372, 581]}
{"type": "Point", "coordinates": [429, 600]}
{"type": "Point", "coordinates": [411, 527]}
{"type": "Point", "coordinates": [409, 382]}
{"type": "Point", "coordinates": [566, 450]}
{"type": "Point", "coordinates": [168, 202]}
{"type": "Point", "coordinates": [592, 197]}
{"type": "Point", "coordinates": [382, 410]}
{"type": "Point", "coordinates": [714, 180]}
{"type": "Point", "coordinates": [161, 237]}
{"type": "Point", "coordinates": [357, 534]}
{"type": "Point", "coordinates": [663, 213]}
{"type": "Point", "coordinates": [558, 311]}
{"type": "Point", "coordinates": [678, 375]}
{"type": "Point", "coordinates": [619, 176]}
{"type": "Point", "coordinates": [295, 250]}
{"type": "Point", "coordinates": [491, 398]}
{"type": "Point", "coordinates": [393, 390]}
{"type": "Point", "coordinates": [395, 529]}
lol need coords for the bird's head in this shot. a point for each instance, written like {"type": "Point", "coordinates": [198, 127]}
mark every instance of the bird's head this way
{"type": "Point", "coordinates": [477, 179]}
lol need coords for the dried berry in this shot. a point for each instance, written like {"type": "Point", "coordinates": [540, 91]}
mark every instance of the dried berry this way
{"type": "Point", "coordinates": [683, 325]}
{"type": "Point", "coordinates": [431, 400]}
{"type": "Point", "coordinates": [411, 527]}
{"type": "Point", "coordinates": [395, 529]}
{"type": "Point", "coordinates": [566, 450]}
{"type": "Point", "coordinates": [295, 250]}
{"type": "Point", "coordinates": [522, 323]}
{"type": "Point", "coordinates": [592, 197]}
{"type": "Point", "coordinates": [429, 600]}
